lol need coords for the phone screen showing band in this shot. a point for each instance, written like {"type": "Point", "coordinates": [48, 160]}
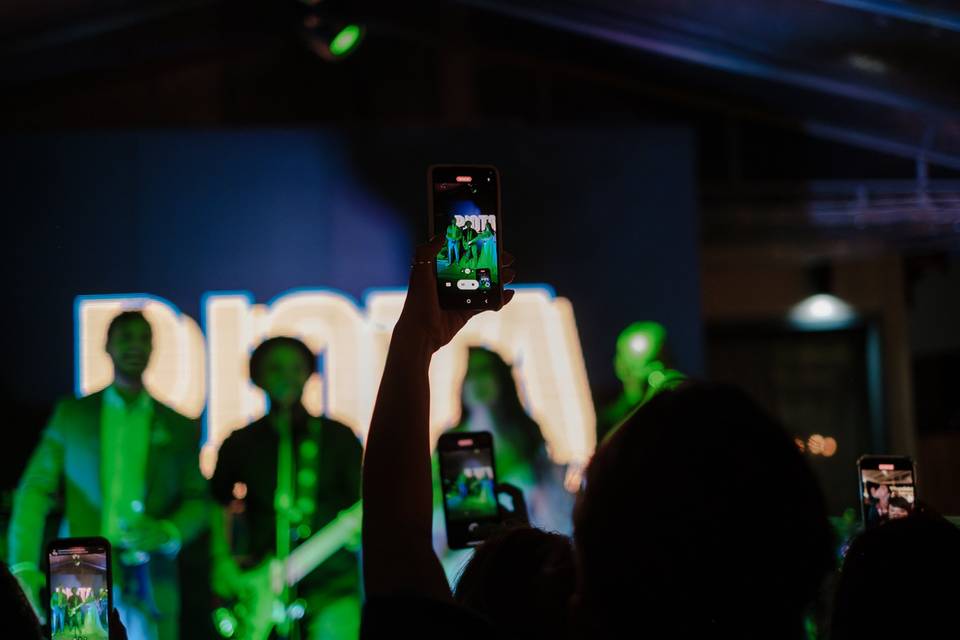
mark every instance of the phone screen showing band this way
{"type": "Point", "coordinates": [465, 212]}
{"type": "Point", "coordinates": [80, 598]}
{"type": "Point", "coordinates": [469, 486]}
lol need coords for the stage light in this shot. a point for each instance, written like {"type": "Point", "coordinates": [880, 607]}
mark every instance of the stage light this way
{"type": "Point", "coordinates": [330, 38]}
{"type": "Point", "coordinates": [639, 344]}
{"type": "Point", "coordinates": [298, 609]}
{"type": "Point", "coordinates": [867, 63]}
{"type": "Point", "coordinates": [656, 379]}
{"type": "Point", "coordinates": [829, 447]}
{"type": "Point", "coordinates": [344, 42]}
{"type": "Point", "coordinates": [239, 490]}
{"type": "Point", "coordinates": [822, 310]}
{"type": "Point", "coordinates": [818, 445]}
{"type": "Point", "coordinates": [225, 622]}
{"type": "Point", "coordinates": [815, 444]}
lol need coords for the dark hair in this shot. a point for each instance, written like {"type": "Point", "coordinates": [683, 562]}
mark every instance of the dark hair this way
{"type": "Point", "coordinates": [900, 503]}
{"type": "Point", "coordinates": [689, 561]}
{"type": "Point", "coordinates": [260, 353]}
{"type": "Point", "coordinates": [522, 581]}
{"type": "Point", "coordinates": [916, 558]}
{"type": "Point", "coordinates": [873, 486]}
{"type": "Point", "coordinates": [521, 429]}
{"type": "Point", "coordinates": [122, 319]}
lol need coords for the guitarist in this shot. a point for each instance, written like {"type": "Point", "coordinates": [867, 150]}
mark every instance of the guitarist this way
{"type": "Point", "coordinates": [316, 464]}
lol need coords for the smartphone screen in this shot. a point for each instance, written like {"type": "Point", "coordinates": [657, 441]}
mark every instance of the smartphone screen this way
{"type": "Point", "coordinates": [887, 488]}
{"type": "Point", "coordinates": [468, 483]}
{"type": "Point", "coordinates": [465, 213]}
{"type": "Point", "coordinates": [80, 581]}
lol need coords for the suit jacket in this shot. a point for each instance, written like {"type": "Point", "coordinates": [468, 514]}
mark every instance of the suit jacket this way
{"type": "Point", "coordinates": [67, 460]}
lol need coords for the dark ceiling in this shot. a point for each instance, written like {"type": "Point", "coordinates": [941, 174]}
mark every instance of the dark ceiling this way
{"type": "Point", "coordinates": [781, 92]}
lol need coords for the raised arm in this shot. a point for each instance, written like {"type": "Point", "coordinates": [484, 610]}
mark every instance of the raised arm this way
{"type": "Point", "coordinates": [398, 555]}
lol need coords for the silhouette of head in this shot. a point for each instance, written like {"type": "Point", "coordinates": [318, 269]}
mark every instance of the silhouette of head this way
{"type": "Point", "coordinates": [522, 581]}
{"type": "Point", "coordinates": [687, 562]}
{"type": "Point", "coordinates": [917, 560]}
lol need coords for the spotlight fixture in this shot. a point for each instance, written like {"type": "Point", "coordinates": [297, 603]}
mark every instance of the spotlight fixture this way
{"type": "Point", "coordinates": [328, 33]}
{"type": "Point", "coordinates": [822, 309]}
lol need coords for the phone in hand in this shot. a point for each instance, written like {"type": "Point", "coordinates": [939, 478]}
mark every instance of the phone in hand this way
{"type": "Point", "coordinates": [465, 212]}
{"type": "Point", "coordinates": [80, 578]}
{"type": "Point", "coordinates": [469, 486]}
{"type": "Point", "coordinates": [888, 488]}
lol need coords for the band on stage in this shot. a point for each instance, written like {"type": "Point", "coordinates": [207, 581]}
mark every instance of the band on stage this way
{"type": "Point", "coordinates": [124, 466]}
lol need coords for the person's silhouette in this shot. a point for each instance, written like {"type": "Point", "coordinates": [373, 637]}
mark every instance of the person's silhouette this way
{"type": "Point", "coordinates": [899, 580]}
{"type": "Point", "coordinates": [693, 560]}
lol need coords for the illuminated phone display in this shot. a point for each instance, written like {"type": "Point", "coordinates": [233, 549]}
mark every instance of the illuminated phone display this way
{"type": "Point", "coordinates": [888, 489]}
{"type": "Point", "coordinates": [469, 486]}
{"type": "Point", "coordinates": [81, 582]}
{"type": "Point", "coordinates": [465, 214]}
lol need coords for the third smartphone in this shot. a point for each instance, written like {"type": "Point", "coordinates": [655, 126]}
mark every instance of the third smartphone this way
{"type": "Point", "coordinates": [888, 488]}
{"type": "Point", "coordinates": [80, 578]}
{"type": "Point", "coordinates": [465, 212]}
{"type": "Point", "coordinates": [469, 486]}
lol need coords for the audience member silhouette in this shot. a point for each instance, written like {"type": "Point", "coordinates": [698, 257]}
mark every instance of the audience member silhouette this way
{"type": "Point", "coordinates": [664, 546]}
{"type": "Point", "coordinates": [521, 581]}
{"type": "Point", "coordinates": [899, 580]}
{"type": "Point", "coordinates": [664, 542]}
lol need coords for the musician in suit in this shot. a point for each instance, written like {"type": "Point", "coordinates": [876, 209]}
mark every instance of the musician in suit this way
{"type": "Point", "coordinates": [454, 236]}
{"type": "Point", "coordinates": [127, 468]}
{"type": "Point", "coordinates": [317, 461]}
{"type": "Point", "coordinates": [470, 243]}
{"type": "Point", "coordinates": [73, 611]}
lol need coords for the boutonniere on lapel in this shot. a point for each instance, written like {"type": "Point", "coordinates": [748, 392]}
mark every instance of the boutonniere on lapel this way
{"type": "Point", "coordinates": [159, 436]}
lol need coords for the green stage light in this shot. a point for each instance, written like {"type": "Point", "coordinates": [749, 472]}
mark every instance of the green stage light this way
{"type": "Point", "coordinates": [225, 622]}
{"type": "Point", "coordinates": [346, 40]}
{"type": "Point", "coordinates": [641, 343]}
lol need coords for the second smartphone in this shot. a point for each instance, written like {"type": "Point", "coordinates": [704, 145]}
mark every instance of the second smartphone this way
{"type": "Point", "coordinates": [888, 488]}
{"type": "Point", "coordinates": [80, 577]}
{"type": "Point", "coordinates": [469, 487]}
{"type": "Point", "coordinates": [464, 206]}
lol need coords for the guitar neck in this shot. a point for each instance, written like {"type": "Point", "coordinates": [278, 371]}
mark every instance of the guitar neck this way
{"type": "Point", "coordinates": [323, 544]}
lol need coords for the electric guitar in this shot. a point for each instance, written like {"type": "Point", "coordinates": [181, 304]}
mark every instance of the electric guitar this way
{"type": "Point", "coordinates": [259, 608]}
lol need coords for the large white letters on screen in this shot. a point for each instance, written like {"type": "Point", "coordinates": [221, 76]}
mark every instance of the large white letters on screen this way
{"type": "Point", "coordinates": [536, 333]}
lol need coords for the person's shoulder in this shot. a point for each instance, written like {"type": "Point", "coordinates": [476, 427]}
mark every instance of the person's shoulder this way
{"type": "Point", "coordinates": [174, 416]}
{"type": "Point", "coordinates": [179, 426]}
{"type": "Point", "coordinates": [241, 438]}
{"type": "Point", "coordinates": [72, 403]}
{"type": "Point", "coordinates": [70, 408]}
